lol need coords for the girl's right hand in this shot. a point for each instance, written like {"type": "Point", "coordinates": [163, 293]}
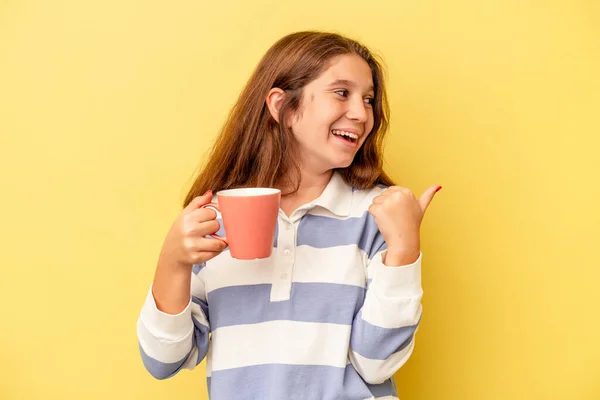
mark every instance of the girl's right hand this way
{"type": "Point", "coordinates": [185, 243]}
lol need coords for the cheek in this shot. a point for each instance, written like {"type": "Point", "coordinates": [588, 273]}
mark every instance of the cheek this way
{"type": "Point", "coordinates": [370, 122]}
{"type": "Point", "coordinates": [333, 114]}
{"type": "Point", "coordinates": [324, 115]}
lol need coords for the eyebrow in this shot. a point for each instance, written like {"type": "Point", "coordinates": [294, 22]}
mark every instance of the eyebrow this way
{"type": "Point", "coordinates": [346, 82]}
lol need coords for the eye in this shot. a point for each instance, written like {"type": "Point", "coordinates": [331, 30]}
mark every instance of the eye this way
{"type": "Point", "coordinates": [342, 92]}
{"type": "Point", "coordinates": [369, 101]}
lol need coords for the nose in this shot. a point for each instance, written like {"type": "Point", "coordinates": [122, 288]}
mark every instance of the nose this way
{"type": "Point", "coordinates": [357, 110]}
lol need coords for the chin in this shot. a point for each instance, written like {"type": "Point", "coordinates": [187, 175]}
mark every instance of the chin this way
{"type": "Point", "coordinates": [341, 164]}
{"type": "Point", "coordinates": [339, 161]}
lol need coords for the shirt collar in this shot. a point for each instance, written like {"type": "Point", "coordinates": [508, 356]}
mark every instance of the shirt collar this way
{"type": "Point", "coordinates": [337, 196]}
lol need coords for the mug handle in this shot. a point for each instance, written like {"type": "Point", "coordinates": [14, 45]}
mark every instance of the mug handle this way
{"type": "Point", "coordinates": [216, 207]}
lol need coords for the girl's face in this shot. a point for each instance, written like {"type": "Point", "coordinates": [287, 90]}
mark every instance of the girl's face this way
{"type": "Point", "coordinates": [336, 114]}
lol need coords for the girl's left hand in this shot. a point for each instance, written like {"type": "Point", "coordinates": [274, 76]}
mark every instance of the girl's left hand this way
{"type": "Point", "coordinates": [398, 215]}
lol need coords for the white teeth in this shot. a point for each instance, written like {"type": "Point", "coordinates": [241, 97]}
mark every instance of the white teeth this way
{"type": "Point", "coordinates": [344, 133]}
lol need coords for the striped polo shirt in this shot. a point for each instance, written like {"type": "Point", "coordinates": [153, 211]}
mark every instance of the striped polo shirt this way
{"type": "Point", "coordinates": [322, 318]}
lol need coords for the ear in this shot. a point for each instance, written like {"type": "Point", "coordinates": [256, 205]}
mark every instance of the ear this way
{"type": "Point", "coordinates": [274, 101]}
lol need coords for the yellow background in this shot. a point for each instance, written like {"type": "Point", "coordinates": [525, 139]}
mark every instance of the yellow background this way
{"type": "Point", "coordinates": [107, 107]}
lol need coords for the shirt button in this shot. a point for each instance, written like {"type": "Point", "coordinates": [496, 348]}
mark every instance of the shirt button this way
{"type": "Point", "coordinates": [288, 227]}
{"type": "Point", "coordinates": [287, 252]}
{"type": "Point", "coordinates": [284, 275]}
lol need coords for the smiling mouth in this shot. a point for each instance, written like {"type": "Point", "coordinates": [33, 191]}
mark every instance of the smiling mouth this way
{"type": "Point", "coordinates": [347, 136]}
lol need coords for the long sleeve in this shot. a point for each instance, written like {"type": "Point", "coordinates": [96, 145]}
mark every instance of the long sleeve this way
{"type": "Point", "coordinates": [169, 343]}
{"type": "Point", "coordinates": [383, 330]}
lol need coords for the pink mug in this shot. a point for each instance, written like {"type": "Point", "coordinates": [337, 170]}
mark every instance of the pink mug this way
{"type": "Point", "coordinates": [250, 220]}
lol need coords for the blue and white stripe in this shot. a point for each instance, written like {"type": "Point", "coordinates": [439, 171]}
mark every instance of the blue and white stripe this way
{"type": "Point", "coordinates": [322, 318]}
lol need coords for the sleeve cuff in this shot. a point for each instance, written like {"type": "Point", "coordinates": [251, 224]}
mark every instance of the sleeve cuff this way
{"type": "Point", "coordinates": [171, 327]}
{"type": "Point", "coordinates": [401, 281]}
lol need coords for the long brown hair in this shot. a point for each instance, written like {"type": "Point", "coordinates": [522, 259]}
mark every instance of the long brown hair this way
{"type": "Point", "coordinates": [253, 150]}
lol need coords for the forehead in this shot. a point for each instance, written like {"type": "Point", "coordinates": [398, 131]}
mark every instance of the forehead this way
{"type": "Point", "coordinates": [347, 67]}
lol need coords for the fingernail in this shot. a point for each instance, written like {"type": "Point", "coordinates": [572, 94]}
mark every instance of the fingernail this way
{"type": "Point", "coordinates": [207, 192]}
{"type": "Point", "coordinates": [438, 189]}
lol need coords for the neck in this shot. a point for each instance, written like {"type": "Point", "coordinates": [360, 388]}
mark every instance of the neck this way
{"type": "Point", "coordinates": [312, 184]}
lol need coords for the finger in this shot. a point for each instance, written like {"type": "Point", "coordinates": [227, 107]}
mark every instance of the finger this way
{"type": "Point", "coordinates": [379, 199]}
{"type": "Point", "coordinates": [387, 193]}
{"type": "Point", "coordinates": [199, 201]}
{"type": "Point", "coordinates": [202, 229]}
{"type": "Point", "coordinates": [427, 197]}
{"type": "Point", "coordinates": [374, 209]}
{"type": "Point", "coordinates": [397, 192]}
{"type": "Point", "coordinates": [210, 245]}
{"type": "Point", "coordinates": [208, 255]}
{"type": "Point", "coordinates": [202, 214]}
{"type": "Point", "coordinates": [394, 189]}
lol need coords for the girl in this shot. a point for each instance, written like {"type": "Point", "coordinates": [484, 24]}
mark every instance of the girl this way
{"type": "Point", "coordinates": [332, 314]}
